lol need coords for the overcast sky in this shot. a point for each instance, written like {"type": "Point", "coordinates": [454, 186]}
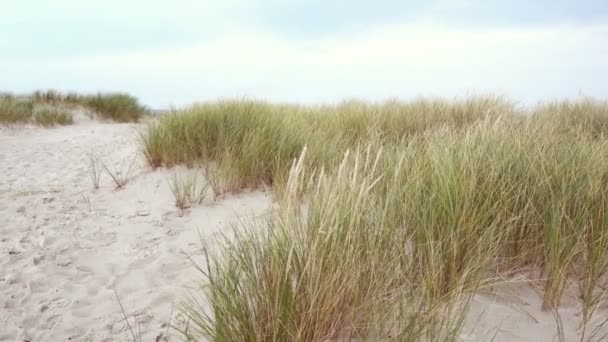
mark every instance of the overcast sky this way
{"type": "Point", "coordinates": [177, 52]}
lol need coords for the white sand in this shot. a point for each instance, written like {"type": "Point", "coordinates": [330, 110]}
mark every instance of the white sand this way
{"type": "Point", "coordinates": [64, 247]}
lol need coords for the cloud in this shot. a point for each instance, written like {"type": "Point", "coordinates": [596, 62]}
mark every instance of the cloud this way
{"type": "Point", "coordinates": [37, 30]}
{"type": "Point", "coordinates": [396, 60]}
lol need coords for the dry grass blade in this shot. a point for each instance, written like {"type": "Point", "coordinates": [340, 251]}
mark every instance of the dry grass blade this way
{"type": "Point", "coordinates": [187, 190]}
{"type": "Point", "coordinates": [136, 337]}
{"type": "Point", "coordinates": [95, 168]}
{"type": "Point", "coordinates": [120, 174]}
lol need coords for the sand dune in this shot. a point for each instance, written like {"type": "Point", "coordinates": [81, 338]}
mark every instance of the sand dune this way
{"type": "Point", "coordinates": [65, 247]}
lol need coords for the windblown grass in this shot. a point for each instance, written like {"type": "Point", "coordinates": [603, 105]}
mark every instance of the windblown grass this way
{"type": "Point", "coordinates": [335, 269]}
{"type": "Point", "coordinates": [395, 214]}
{"type": "Point", "coordinates": [50, 117]}
{"type": "Point", "coordinates": [117, 107]}
{"type": "Point", "coordinates": [254, 142]}
{"type": "Point", "coordinates": [188, 190]}
{"type": "Point", "coordinates": [119, 172]}
{"type": "Point", "coordinates": [15, 111]}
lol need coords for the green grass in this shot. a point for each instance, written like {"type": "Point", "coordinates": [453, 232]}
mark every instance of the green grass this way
{"type": "Point", "coordinates": [390, 216]}
{"type": "Point", "coordinates": [333, 270]}
{"type": "Point", "coordinates": [15, 111]}
{"type": "Point", "coordinates": [254, 142]}
{"type": "Point", "coordinates": [50, 117]}
{"type": "Point", "coordinates": [188, 190]}
{"type": "Point", "coordinates": [117, 107]}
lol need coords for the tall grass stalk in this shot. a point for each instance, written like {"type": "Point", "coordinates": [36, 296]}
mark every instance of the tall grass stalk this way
{"type": "Point", "coordinates": [187, 190]}
{"type": "Point", "coordinates": [95, 168]}
{"type": "Point", "coordinates": [120, 173]}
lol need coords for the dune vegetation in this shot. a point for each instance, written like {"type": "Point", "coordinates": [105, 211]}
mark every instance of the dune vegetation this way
{"type": "Point", "coordinates": [51, 108]}
{"type": "Point", "coordinates": [391, 215]}
{"type": "Point", "coordinates": [49, 117]}
{"type": "Point", "coordinates": [13, 111]}
{"type": "Point", "coordinates": [118, 107]}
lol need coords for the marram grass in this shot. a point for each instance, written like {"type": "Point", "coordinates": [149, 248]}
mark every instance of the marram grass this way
{"type": "Point", "coordinates": [15, 111]}
{"type": "Point", "coordinates": [50, 117]}
{"type": "Point", "coordinates": [117, 107]}
{"type": "Point", "coordinates": [390, 216]}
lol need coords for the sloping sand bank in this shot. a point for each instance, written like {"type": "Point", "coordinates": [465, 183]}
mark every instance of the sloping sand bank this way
{"type": "Point", "coordinates": [64, 247]}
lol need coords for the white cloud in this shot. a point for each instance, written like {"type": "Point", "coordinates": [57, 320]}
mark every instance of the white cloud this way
{"type": "Point", "coordinates": [402, 60]}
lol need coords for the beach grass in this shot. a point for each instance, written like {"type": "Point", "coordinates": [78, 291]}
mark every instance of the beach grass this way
{"type": "Point", "coordinates": [390, 216]}
{"type": "Point", "coordinates": [188, 190]}
{"type": "Point", "coordinates": [50, 117]}
{"type": "Point", "coordinates": [15, 111]}
{"type": "Point", "coordinates": [116, 107]}
{"type": "Point", "coordinates": [119, 172]}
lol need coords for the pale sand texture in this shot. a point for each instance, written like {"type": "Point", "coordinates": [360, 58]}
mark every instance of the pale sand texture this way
{"type": "Point", "coordinates": [65, 247]}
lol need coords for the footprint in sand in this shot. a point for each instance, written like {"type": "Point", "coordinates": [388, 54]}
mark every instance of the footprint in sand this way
{"type": "Point", "coordinates": [52, 321]}
{"type": "Point", "coordinates": [59, 302]}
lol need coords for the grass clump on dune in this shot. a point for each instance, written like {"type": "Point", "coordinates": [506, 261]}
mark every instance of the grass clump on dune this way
{"type": "Point", "coordinates": [337, 268]}
{"type": "Point", "coordinates": [188, 190]}
{"type": "Point", "coordinates": [254, 142]}
{"type": "Point", "coordinates": [412, 231]}
{"type": "Point", "coordinates": [50, 117]}
{"type": "Point", "coordinates": [395, 214]}
{"type": "Point", "coordinates": [15, 111]}
{"type": "Point", "coordinates": [117, 107]}
{"type": "Point", "coordinates": [19, 110]}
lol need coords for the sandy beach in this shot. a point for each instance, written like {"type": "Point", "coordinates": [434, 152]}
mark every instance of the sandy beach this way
{"type": "Point", "coordinates": [66, 248]}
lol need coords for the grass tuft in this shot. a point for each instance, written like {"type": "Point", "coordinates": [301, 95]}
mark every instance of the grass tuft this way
{"type": "Point", "coordinates": [50, 117]}
{"type": "Point", "coordinates": [187, 190]}
{"type": "Point", "coordinates": [118, 107]}
{"type": "Point", "coordinates": [119, 173]}
{"type": "Point", "coordinates": [95, 168]}
{"type": "Point", "coordinates": [15, 111]}
{"type": "Point", "coordinates": [115, 106]}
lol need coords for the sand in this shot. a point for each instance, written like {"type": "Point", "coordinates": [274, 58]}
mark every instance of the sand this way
{"type": "Point", "coordinates": [66, 248]}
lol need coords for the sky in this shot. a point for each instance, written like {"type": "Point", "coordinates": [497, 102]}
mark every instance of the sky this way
{"type": "Point", "coordinates": [172, 53]}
